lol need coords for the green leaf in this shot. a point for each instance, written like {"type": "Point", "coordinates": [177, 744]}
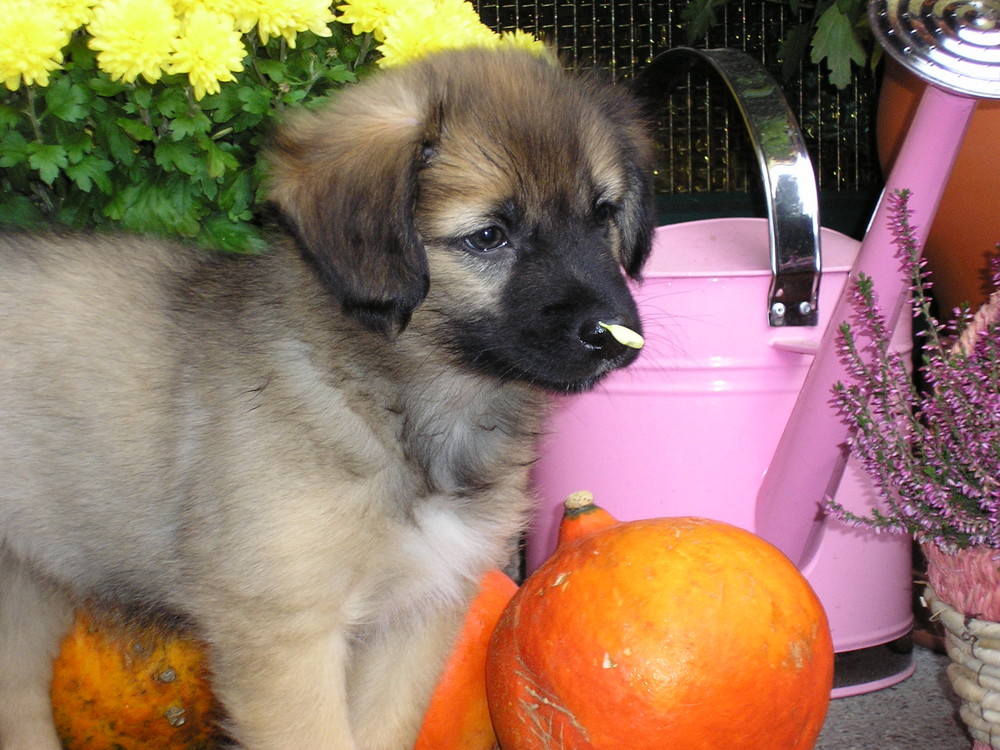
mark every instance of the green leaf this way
{"type": "Point", "coordinates": [82, 210]}
{"type": "Point", "coordinates": [9, 116]}
{"type": "Point", "coordinates": [190, 123]}
{"type": "Point", "coordinates": [246, 121]}
{"type": "Point", "coordinates": [156, 206]}
{"type": "Point", "coordinates": [19, 211]}
{"type": "Point", "coordinates": [224, 106]}
{"type": "Point", "coordinates": [836, 42]}
{"type": "Point", "coordinates": [121, 147]}
{"type": "Point", "coordinates": [142, 95]}
{"type": "Point", "coordinates": [294, 97]}
{"type": "Point", "coordinates": [137, 129]}
{"type": "Point", "coordinates": [255, 101]}
{"type": "Point", "coordinates": [273, 69]}
{"type": "Point", "coordinates": [66, 100]}
{"type": "Point", "coordinates": [76, 141]}
{"type": "Point", "coordinates": [220, 161]}
{"type": "Point", "coordinates": [793, 49]}
{"type": "Point", "coordinates": [177, 155]}
{"type": "Point", "coordinates": [233, 236]}
{"type": "Point", "coordinates": [81, 56]}
{"type": "Point", "coordinates": [171, 102]}
{"type": "Point", "coordinates": [699, 17]}
{"type": "Point", "coordinates": [102, 85]}
{"type": "Point", "coordinates": [340, 73]}
{"type": "Point", "coordinates": [13, 149]}
{"type": "Point", "coordinates": [306, 40]}
{"type": "Point", "coordinates": [91, 171]}
{"type": "Point", "coordinates": [237, 197]}
{"type": "Point", "coordinates": [852, 8]}
{"type": "Point", "coordinates": [47, 160]}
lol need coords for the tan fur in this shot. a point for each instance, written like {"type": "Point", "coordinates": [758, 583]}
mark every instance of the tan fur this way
{"type": "Point", "coordinates": [301, 455]}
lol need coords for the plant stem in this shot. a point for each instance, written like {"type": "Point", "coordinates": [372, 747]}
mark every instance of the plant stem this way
{"type": "Point", "coordinates": [29, 110]}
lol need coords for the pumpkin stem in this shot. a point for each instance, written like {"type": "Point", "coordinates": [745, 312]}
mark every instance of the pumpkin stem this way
{"type": "Point", "coordinates": [581, 517]}
{"type": "Point", "coordinates": [579, 500]}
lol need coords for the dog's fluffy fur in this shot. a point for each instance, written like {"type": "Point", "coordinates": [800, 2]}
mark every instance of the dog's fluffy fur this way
{"type": "Point", "coordinates": [309, 457]}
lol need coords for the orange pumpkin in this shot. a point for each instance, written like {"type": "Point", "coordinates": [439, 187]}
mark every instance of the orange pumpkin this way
{"type": "Point", "coordinates": [118, 687]}
{"type": "Point", "coordinates": [458, 717]}
{"type": "Point", "coordinates": [664, 633]}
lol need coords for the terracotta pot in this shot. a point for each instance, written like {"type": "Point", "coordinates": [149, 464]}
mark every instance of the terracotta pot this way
{"type": "Point", "coordinates": [966, 229]}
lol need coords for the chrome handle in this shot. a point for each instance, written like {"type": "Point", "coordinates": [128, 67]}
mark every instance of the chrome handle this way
{"type": "Point", "coordinates": [785, 167]}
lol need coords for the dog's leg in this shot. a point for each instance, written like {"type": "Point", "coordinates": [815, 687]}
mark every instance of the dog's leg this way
{"type": "Point", "coordinates": [282, 689]}
{"type": "Point", "coordinates": [33, 619]}
{"type": "Point", "coordinates": [393, 675]}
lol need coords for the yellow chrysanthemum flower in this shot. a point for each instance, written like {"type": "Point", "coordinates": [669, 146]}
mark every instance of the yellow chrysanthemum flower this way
{"type": "Point", "coordinates": [442, 24]}
{"type": "Point", "coordinates": [370, 16]}
{"type": "Point", "coordinates": [523, 40]}
{"type": "Point", "coordinates": [183, 7]}
{"type": "Point", "coordinates": [32, 37]}
{"type": "Point", "coordinates": [74, 13]}
{"type": "Point", "coordinates": [133, 37]}
{"type": "Point", "coordinates": [209, 50]}
{"type": "Point", "coordinates": [285, 18]}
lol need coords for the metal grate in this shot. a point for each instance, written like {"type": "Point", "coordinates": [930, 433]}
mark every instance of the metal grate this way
{"type": "Point", "coordinates": [702, 140]}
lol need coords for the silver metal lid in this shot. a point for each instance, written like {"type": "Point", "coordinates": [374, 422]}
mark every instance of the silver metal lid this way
{"type": "Point", "coordinates": [952, 44]}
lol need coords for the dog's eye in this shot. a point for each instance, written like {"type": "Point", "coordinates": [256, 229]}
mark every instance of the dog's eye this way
{"type": "Point", "coordinates": [605, 211]}
{"type": "Point", "coordinates": [486, 240]}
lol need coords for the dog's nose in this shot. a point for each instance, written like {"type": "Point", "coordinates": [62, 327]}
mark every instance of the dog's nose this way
{"type": "Point", "coordinates": [609, 337]}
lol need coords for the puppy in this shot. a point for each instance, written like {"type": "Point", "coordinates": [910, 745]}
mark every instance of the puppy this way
{"type": "Point", "coordinates": [309, 457]}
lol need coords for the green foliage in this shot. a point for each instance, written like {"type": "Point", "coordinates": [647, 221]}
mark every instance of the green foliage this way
{"type": "Point", "coordinates": [89, 152]}
{"type": "Point", "coordinates": [834, 31]}
{"type": "Point", "coordinates": [836, 40]}
{"type": "Point", "coordinates": [700, 17]}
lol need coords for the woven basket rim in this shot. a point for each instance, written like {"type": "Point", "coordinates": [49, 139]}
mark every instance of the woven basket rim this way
{"type": "Point", "coordinates": [956, 621]}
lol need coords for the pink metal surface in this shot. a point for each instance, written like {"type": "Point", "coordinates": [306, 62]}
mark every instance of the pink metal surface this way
{"type": "Point", "coordinates": [690, 428]}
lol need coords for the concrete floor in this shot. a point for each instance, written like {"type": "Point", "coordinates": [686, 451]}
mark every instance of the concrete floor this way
{"type": "Point", "coordinates": [920, 713]}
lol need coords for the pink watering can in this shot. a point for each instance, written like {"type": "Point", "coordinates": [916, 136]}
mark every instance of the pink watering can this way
{"type": "Point", "coordinates": [726, 414]}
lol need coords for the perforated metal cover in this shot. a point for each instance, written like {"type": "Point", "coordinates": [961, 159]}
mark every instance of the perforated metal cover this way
{"type": "Point", "coordinates": [955, 45]}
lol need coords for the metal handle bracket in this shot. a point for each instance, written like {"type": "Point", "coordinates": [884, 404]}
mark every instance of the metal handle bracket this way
{"type": "Point", "coordinates": [789, 179]}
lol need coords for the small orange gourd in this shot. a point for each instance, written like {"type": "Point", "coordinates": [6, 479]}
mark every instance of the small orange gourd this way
{"type": "Point", "coordinates": [661, 633]}
{"type": "Point", "coordinates": [458, 717]}
{"type": "Point", "coordinates": [121, 687]}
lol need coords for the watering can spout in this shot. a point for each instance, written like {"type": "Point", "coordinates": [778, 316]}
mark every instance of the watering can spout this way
{"type": "Point", "coordinates": [809, 456]}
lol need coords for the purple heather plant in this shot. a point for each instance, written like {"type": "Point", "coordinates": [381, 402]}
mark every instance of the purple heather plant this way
{"type": "Point", "coordinates": [933, 451]}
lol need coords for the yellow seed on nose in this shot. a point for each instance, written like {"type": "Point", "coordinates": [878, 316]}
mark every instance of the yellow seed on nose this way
{"type": "Point", "coordinates": [624, 336]}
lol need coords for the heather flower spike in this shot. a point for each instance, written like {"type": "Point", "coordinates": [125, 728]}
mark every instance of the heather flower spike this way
{"type": "Point", "coordinates": [624, 336]}
{"type": "Point", "coordinates": [933, 452]}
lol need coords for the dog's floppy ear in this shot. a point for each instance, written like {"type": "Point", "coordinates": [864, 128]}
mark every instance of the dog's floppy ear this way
{"type": "Point", "coordinates": [637, 217]}
{"type": "Point", "coordinates": [345, 179]}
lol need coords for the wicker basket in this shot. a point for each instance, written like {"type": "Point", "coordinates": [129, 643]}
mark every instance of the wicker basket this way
{"type": "Point", "coordinates": [974, 648]}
